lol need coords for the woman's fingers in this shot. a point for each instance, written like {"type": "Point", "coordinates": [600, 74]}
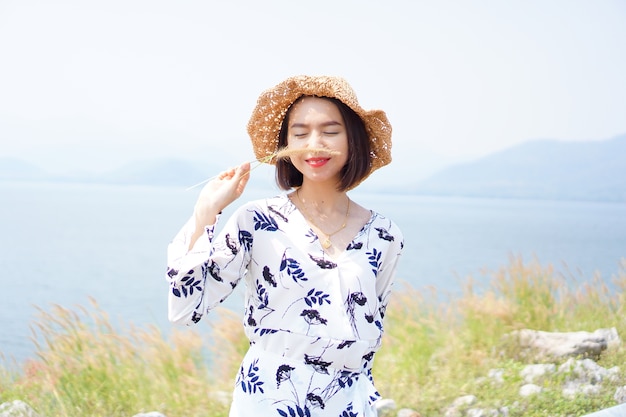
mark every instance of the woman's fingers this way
{"type": "Point", "coordinates": [243, 174]}
{"type": "Point", "coordinates": [243, 170]}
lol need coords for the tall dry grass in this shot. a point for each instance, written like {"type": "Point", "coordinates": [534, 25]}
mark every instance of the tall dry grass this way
{"type": "Point", "coordinates": [85, 367]}
{"type": "Point", "coordinates": [435, 349]}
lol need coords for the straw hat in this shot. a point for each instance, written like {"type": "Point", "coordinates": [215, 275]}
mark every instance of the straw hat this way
{"type": "Point", "coordinates": [272, 104]}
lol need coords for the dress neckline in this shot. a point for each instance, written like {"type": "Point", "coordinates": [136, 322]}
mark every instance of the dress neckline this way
{"type": "Point", "coordinates": [340, 252]}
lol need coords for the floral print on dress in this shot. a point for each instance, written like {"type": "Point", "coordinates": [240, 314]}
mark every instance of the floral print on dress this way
{"type": "Point", "coordinates": [314, 322]}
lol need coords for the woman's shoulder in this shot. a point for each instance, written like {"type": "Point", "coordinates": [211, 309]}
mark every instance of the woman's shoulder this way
{"type": "Point", "coordinates": [279, 203]}
{"type": "Point", "coordinates": [384, 226]}
{"type": "Point", "coordinates": [264, 203]}
{"type": "Point", "coordinates": [381, 218]}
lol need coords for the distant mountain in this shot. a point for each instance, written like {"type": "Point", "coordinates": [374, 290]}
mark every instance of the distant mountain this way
{"type": "Point", "coordinates": [157, 172]}
{"type": "Point", "coordinates": [541, 169]}
{"type": "Point", "coordinates": [175, 172]}
{"type": "Point", "coordinates": [12, 168]}
{"type": "Point", "coordinates": [161, 171]}
{"type": "Point", "coordinates": [164, 171]}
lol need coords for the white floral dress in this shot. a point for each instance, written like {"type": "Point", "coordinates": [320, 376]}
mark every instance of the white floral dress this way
{"type": "Point", "coordinates": [314, 323]}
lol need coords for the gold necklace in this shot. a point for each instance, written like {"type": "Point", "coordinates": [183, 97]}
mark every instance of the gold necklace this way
{"type": "Point", "coordinates": [326, 243]}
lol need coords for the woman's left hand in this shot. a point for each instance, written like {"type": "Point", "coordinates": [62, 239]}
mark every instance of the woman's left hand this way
{"type": "Point", "coordinates": [217, 194]}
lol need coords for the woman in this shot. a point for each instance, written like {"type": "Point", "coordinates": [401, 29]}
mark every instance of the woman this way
{"type": "Point", "coordinates": [317, 266]}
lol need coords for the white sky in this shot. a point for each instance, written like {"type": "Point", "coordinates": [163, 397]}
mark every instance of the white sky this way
{"type": "Point", "coordinates": [94, 84]}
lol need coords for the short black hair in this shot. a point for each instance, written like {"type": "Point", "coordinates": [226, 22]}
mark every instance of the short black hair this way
{"type": "Point", "coordinates": [358, 165]}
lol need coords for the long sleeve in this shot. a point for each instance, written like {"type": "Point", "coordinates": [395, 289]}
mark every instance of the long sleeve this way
{"type": "Point", "coordinates": [388, 265]}
{"type": "Point", "coordinates": [202, 277]}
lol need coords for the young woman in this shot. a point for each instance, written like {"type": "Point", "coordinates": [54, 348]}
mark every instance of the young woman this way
{"type": "Point", "coordinates": [317, 266]}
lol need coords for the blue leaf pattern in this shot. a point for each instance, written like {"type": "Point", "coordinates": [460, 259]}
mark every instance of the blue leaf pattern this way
{"type": "Point", "coordinates": [264, 222]}
{"type": "Point", "coordinates": [374, 260]}
{"type": "Point", "coordinates": [250, 382]}
{"type": "Point", "coordinates": [189, 284]}
{"type": "Point", "coordinates": [316, 297]}
{"type": "Point", "coordinates": [293, 269]}
{"type": "Point", "coordinates": [245, 239]}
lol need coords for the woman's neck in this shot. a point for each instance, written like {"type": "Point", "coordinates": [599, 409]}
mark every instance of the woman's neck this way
{"type": "Point", "coordinates": [322, 199]}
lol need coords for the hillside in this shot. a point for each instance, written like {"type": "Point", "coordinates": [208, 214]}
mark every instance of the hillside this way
{"type": "Point", "coordinates": [152, 172]}
{"type": "Point", "coordinates": [542, 169]}
{"type": "Point", "coordinates": [160, 171]}
{"type": "Point", "coordinates": [13, 168]}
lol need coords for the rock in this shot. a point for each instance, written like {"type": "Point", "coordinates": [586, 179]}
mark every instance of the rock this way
{"type": "Point", "coordinates": [587, 371]}
{"type": "Point", "coordinates": [496, 376]}
{"type": "Point", "coordinates": [464, 401]}
{"type": "Point", "coordinates": [407, 412]}
{"type": "Point", "coordinates": [17, 408]}
{"type": "Point", "coordinates": [585, 377]}
{"type": "Point", "coordinates": [529, 389]}
{"type": "Point", "coordinates": [453, 412]}
{"type": "Point", "coordinates": [588, 390]}
{"type": "Point", "coordinates": [537, 344]}
{"type": "Point", "coordinates": [531, 373]}
{"type": "Point", "coordinates": [491, 412]}
{"type": "Point", "coordinates": [504, 411]}
{"type": "Point", "coordinates": [476, 412]}
{"type": "Point", "coordinates": [620, 395]}
{"type": "Point", "coordinates": [385, 405]}
{"type": "Point", "coordinates": [461, 402]}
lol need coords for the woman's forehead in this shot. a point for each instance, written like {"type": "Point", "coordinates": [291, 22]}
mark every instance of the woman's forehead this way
{"type": "Point", "coordinates": [314, 107]}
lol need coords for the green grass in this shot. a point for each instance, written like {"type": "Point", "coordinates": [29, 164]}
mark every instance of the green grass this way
{"type": "Point", "coordinates": [435, 349]}
{"type": "Point", "coordinates": [435, 352]}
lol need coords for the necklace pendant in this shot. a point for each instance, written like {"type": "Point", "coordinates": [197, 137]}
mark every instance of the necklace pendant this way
{"type": "Point", "coordinates": [326, 243]}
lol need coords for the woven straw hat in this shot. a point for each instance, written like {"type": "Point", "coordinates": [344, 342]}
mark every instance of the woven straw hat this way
{"type": "Point", "coordinates": [272, 105]}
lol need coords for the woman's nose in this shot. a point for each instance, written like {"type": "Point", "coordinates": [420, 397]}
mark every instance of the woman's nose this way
{"type": "Point", "coordinates": [315, 139]}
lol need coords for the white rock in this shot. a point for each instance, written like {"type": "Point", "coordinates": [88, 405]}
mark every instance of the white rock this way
{"type": "Point", "coordinates": [531, 373]}
{"type": "Point", "coordinates": [452, 412]}
{"type": "Point", "coordinates": [464, 400]}
{"type": "Point", "coordinates": [529, 389]}
{"type": "Point", "coordinates": [384, 405]}
{"type": "Point", "coordinates": [496, 375]}
{"type": "Point", "coordinates": [17, 408]}
{"type": "Point", "coordinates": [540, 344]}
{"type": "Point", "coordinates": [590, 389]}
{"type": "Point", "coordinates": [586, 371]}
{"type": "Point", "coordinates": [613, 374]}
{"type": "Point", "coordinates": [407, 412]}
{"type": "Point", "coordinates": [569, 392]}
{"type": "Point", "coordinates": [620, 395]}
{"type": "Point", "coordinates": [490, 412]}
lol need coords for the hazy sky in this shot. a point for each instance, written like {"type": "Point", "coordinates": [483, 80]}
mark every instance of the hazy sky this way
{"type": "Point", "coordinates": [94, 84]}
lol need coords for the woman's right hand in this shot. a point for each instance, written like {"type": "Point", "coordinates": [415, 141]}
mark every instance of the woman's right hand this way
{"type": "Point", "coordinates": [217, 194]}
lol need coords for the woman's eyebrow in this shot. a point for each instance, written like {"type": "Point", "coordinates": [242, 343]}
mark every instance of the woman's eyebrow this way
{"type": "Point", "coordinates": [325, 124]}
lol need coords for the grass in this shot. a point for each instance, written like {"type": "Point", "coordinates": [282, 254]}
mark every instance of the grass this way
{"type": "Point", "coordinates": [434, 351]}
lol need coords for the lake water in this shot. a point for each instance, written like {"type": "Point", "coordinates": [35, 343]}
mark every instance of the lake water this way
{"type": "Point", "coordinates": [63, 243]}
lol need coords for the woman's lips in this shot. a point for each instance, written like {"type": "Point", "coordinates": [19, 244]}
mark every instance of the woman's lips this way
{"type": "Point", "coordinates": [317, 162]}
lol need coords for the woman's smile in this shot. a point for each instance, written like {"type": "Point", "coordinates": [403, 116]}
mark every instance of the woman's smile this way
{"type": "Point", "coordinates": [317, 162]}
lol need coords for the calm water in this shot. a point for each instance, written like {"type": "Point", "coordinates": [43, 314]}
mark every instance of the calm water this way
{"type": "Point", "coordinates": [62, 243]}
